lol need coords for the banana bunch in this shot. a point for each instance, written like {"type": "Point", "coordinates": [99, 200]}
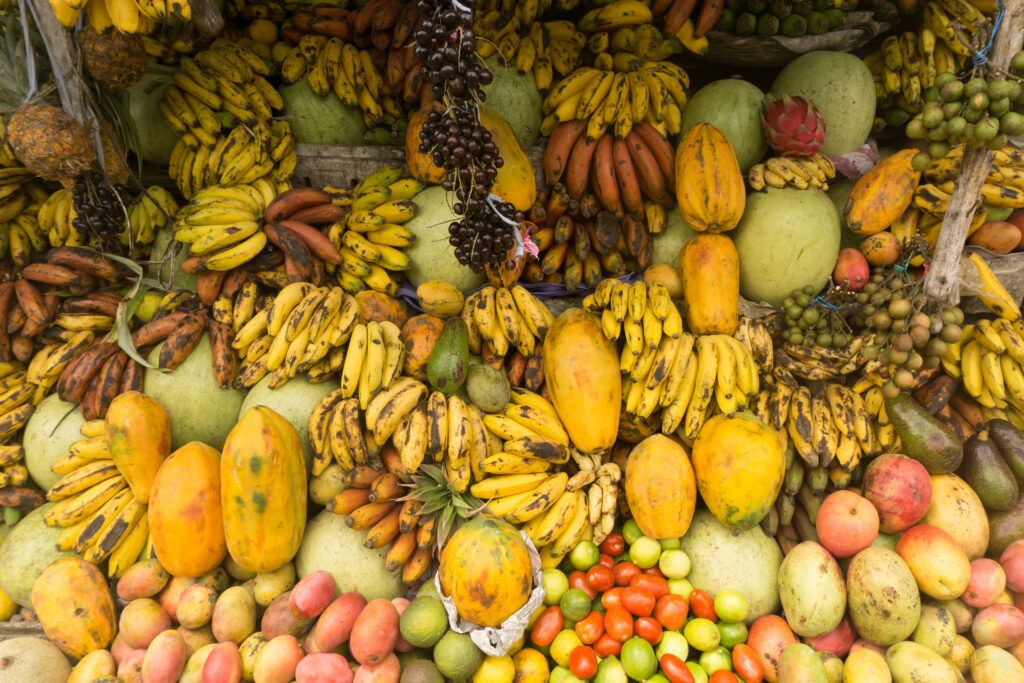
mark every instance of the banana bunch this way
{"type": "Point", "coordinates": [814, 362]}
{"type": "Point", "coordinates": [371, 238]}
{"type": "Point", "coordinates": [506, 318]}
{"type": "Point", "coordinates": [17, 403]}
{"type": "Point", "coordinates": [544, 48]}
{"type": "Point", "coordinates": [1004, 184]}
{"type": "Point", "coordinates": [791, 520]}
{"type": "Point", "coordinates": [869, 388]}
{"type": "Point", "coordinates": [149, 213]}
{"type": "Point", "coordinates": [526, 12]}
{"type": "Point", "coordinates": [166, 45]}
{"type": "Point", "coordinates": [221, 225]}
{"type": "Point", "coordinates": [18, 187]}
{"type": "Point", "coordinates": [618, 92]}
{"type": "Point", "coordinates": [100, 517]}
{"type": "Point", "coordinates": [984, 284]}
{"type": "Point", "coordinates": [123, 15]}
{"type": "Point", "coordinates": [798, 172]}
{"type": "Point", "coordinates": [754, 334]}
{"type": "Point", "coordinates": [645, 41]}
{"type": "Point", "coordinates": [304, 329]}
{"type": "Point", "coordinates": [644, 314]}
{"type": "Point", "coordinates": [988, 361]}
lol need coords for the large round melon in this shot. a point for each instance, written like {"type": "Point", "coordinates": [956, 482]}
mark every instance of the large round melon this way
{"type": "Point", "coordinates": [838, 191]}
{"type": "Point", "coordinates": [155, 139]}
{"type": "Point", "coordinates": [841, 86]}
{"type": "Point", "coordinates": [321, 120]}
{"type": "Point", "coordinates": [432, 256]}
{"type": "Point", "coordinates": [734, 107]}
{"type": "Point", "coordinates": [330, 544]}
{"type": "Point", "coordinates": [293, 401]}
{"type": "Point", "coordinates": [29, 549]}
{"type": "Point", "coordinates": [787, 239]}
{"type": "Point", "coordinates": [516, 98]}
{"type": "Point", "coordinates": [199, 409]}
{"type": "Point", "coordinates": [51, 430]}
{"type": "Point", "coordinates": [33, 659]}
{"type": "Point", "coordinates": [666, 245]}
{"type": "Point", "coordinates": [165, 268]}
{"type": "Point", "coordinates": [722, 557]}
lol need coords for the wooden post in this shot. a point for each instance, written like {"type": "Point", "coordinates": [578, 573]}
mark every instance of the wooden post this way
{"type": "Point", "coordinates": [64, 60]}
{"type": "Point", "coordinates": [941, 279]}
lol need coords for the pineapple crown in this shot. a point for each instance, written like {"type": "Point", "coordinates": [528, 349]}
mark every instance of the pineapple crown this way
{"type": "Point", "coordinates": [441, 501]}
{"type": "Point", "coordinates": [792, 125]}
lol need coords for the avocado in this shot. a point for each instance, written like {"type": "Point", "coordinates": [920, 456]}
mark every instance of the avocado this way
{"type": "Point", "coordinates": [924, 437]}
{"type": "Point", "coordinates": [1005, 527]}
{"type": "Point", "coordinates": [1011, 445]}
{"type": "Point", "coordinates": [448, 363]}
{"type": "Point", "coordinates": [984, 469]}
{"type": "Point", "coordinates": [488, 388]}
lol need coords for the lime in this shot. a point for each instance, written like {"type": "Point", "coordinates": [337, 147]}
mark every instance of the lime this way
{"type": "Point", "coordinates": [631, 531]}
{"type": "Point", "coordinates": [456, 656]}
{"type": "Point", "coordinates": [698, 672]}
{"type": "Point", "coordinates": [610, 670]}
{"type": "Point", "coordinates": [668, 543]}
{"type": "Point", "coordinates": [733, 632]}
{"type": "Point", "coordinates": [559, 674]}
{"type": "Point", "coordinates": [644, 552]}
{"type": "Point", "coordinates": [680, 587]}
{"type": "Point", "coordinates": [575, 604]}
{"type": "Point", "coordinates": [555, 583]}
{"type": "Point", "coordinates": [429, 590]}
{"type": "Point", "coordinates": [584, 556]}
{"type": "Point", "coordinates": [731, 605]}
{"type": "Point", "coordinates": [658, 678]}
{"type": "Point", "coordinates": [423, 622]}
{"type": "Point", "coordinates": [638, 658]}
{"type": "Point", "coordinates": [562, 646]}
{"type": "Point", "coordinates": [674, 643]}
{"type": "Point", "coordinates": [702, 634]}
{"type": "Point", "coordinates": [674, 563]}
{"type": "Point", "coordinates": [496, 670]}
{"type": "Point", "coordinates": [713, 660]}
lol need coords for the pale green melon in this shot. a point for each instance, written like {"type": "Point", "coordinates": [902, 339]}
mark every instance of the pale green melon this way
{"type": "Point", "coordinates": [51, 430]}
{"type": "Point", "coordinates": [155, 139]}
{"type": "Point", "coordinates": [432, 256]}
{"type": "Point", "coordinates": [321, 120]}
{"type": "Point", "coordinates": [666, 245]}
{"type": "Point", "coordinates": [838, 190]}
{"type": "Point", "coordinates": [165, 268]}
{"type": "Point", "coordinates": [293, 401]}
{"type": "Point", "coordinates": [733, 106]}
{"type": "Point", "coordinates": [516, 98]}
{"type": "Point", "coordinates": [199, 409]}
{"type": "Point", "coordinates": [328, 543]}
{"type": "Point", "coordinates": [33, 659]}
{"type": "Point", "coordinates": [787, 239]}
{"type": "Point", "coordinates": [29, 549]}
{"type": "Point", "coordinates": [841, 86]}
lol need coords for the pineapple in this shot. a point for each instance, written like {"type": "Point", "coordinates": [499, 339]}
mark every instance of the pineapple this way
{"type": "Point", "coordinates": [116, 60]}
{"type": "Point", "coordinates": [443, 506]}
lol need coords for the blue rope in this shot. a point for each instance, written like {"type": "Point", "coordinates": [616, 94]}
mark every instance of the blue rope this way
{"type": "Point", "coordinates": [981, 58]}
{"type": "Point", "coordinates": [819, 301]}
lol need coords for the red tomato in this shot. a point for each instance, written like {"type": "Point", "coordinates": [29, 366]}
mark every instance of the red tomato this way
{"type": "Point", "coordinates": [671, 611]}
{"type": "Point", "coordinates": [638, 601]}
{"type": "Point", "coordinates": [606, 646]}
{"type": "Point", "coordinates": [612, 598]}
{"type": "Point", "coordinates": [619, 624]}
{"type": "Point", "coordinates": [649, 629]}
{"type": "Point", "coordinates": [655, 585]}
{"type": "Point", "coordinates": [583, 662]}
{"type": "Point", "coordinates": [613, 545]}
{"type": "Point", "coordinates": [747, 663]}
{"type": "Point", "coordinates": [624, 573]}
{"type": "Point", "coordinates": [590, 628]}
{"type": "Point", "coordinates": [701, 602]}
{"type": "Point", "coordinates": [606, 560]}
{"type": "Point", "coordinates": [578, 579]}
{"type": "Point", "coordinates": [654, 571]}
{"type": "Point", "coordinates": [722, 676]}
{"type": "Point", "coordinates": [675, 669]}
{"type": "Point", "coordinates": [600, 578]}
{"type": "Point", "coordinates": [547, 626]}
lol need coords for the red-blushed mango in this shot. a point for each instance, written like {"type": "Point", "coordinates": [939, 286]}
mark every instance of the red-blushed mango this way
{"type": "Point", "coordinates": [938, 563]}
{"type": "Point", "coordinates": [165, 658]}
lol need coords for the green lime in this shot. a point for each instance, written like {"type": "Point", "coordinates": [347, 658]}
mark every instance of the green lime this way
{"type": "Point", "coordinates": [702, 634]}
{"type": "Point", "coordinates": [456, 656]}
{"type": "Point", "coordinates": [631, 531]}
{"type": "Point", "coordinates": [575, 604]}
{"type": "Point", "coordinates": [733, 633]}
{"type": "Point", "coordinates": [698, 672]}
{"type": "Point", "coordinates": [731, 605]}
{"type": "Point", "coordinates": [680, 587]}
{"type": "Point", "coordinates": [562, 646]}
{"type": "Point", "coordinates": [584, 556]}
{"type": "Point", "coordinates": [674, 563]}
{"type": "Point", "coordinates": [713, 660]}
{"type": "Point", "coordinates": [644, 552]}
{"type": "Point", "coordinates": [638, 658]}
{"type": "Point", "coordinates": [673, 642]}
{"type": "Point", "coordinates": [658, 678]}
{"type": "Point", "coordinates": [555, 583]}
{"type": "Point", "coordinates": [668, 543]}
{"type": "Point", "coordinates": [423, 622]}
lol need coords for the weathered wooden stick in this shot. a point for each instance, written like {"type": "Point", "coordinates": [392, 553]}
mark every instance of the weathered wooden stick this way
{"type": "Point", "coordinates": [941, 279]}
{"type": "Point", "coordinates": [64, 60]}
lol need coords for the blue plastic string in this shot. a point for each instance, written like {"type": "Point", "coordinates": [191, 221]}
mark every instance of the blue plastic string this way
{"type": "Point", "coordinates": [819, 301]}
{"type": "Point", "coordinates": [981, 57]}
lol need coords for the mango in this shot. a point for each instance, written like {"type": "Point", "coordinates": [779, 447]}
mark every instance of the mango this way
{"type": "Point", "coordinates": [936, 629]}
{"type": "Point", "coordinates": [884, 601]}
{"type": "Point", "coordinates": [801, 664]}
{"type": "Point", "coordinates": [812, 590]}
{"type": "Point", "coordinates": [991, 664]}
{"type": "Point", "coordinates": [911, 662]}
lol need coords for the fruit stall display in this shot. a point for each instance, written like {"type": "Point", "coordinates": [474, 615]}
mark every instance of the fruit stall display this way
{"type": "Point", "coordinates": [402, 342]}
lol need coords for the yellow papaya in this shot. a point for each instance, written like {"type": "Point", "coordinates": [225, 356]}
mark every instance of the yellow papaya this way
{"type": "Point", "coordinates": [882, 194]}
{"type": "Point", "coordinates": [138, 432]}
{"type": "Point", "coordinates": [75, 607]}
{"type": "Point", "coordinates": [710, 188]}
{"type": "Point", "coordinates": [660, 487]}
{"type": "Point", "coordinates": [710, 266]}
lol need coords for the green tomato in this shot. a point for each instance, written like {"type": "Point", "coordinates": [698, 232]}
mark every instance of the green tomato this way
{"type": "Point", "coordinates": [555, 583]}
{"type": "Point", "coordinates": [713, 660]}
{"type": "Point", "coordinates": [674, 643]}
{"type": "Point", "coordinates": [575, 604]}
{"type": "Point", "coordinates": [680, 587]}
{"type": "Point", "coordinates": [631, 531]}
{"type": "Point", "coordinates": [638, 658]}
{"type": "Point", "coordinates": [644, 552]}
{"type": "Point", "coordinates": [733, 633]}
{"type": "Point", "coordinates": [562, 646]}
{"type": "Point", "coordinates": [698, 672]}
{"type": "Point", "coordinates": [731, 605]}
{"type": "Point", "coordinates": [596, 606]}
{"type": "Point", "coordinates": [702, 634]}
{"type": "Point", "coordinates": [668, 543]}
{"type": "Point", "coordinates": [674, 563]}
{"type": "Point", "coordinates": [584, 556]}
